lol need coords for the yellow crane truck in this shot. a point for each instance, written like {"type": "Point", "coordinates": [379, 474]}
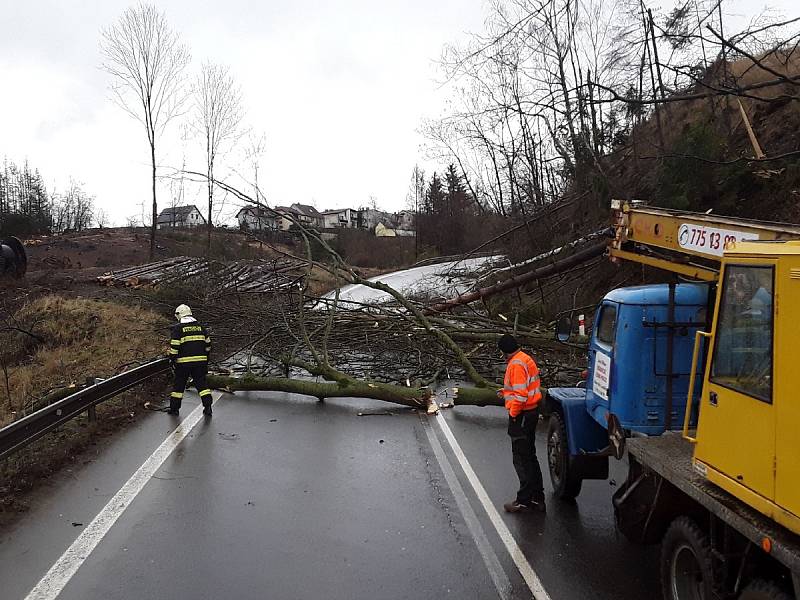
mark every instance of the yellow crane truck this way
{"type": "Point", "coordinates": [720, 488]}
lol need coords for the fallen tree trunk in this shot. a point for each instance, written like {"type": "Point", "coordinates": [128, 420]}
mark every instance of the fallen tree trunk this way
{"type": "Point", "coordinates": [470, 396]}
{"type": "Point", "coordinates": [525, 339]}
{"type": "Point", "coordinates": [604, 233]}
{"type": "Point", "coordinates": [518, 280]}
{"type": "Point", "coordinates": [414, 397]}
{"type": "Point", "coordinates": [407, 396]}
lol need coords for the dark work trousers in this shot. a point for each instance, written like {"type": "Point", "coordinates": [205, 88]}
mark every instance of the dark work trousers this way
{"type": "Point", "coordinates": [522, 431]}
{"type": "Point", "coordinates": [197, 371]}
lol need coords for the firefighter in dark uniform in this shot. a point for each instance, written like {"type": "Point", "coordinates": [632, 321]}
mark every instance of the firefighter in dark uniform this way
{"type": "Point", "coordinates": [189, 349]}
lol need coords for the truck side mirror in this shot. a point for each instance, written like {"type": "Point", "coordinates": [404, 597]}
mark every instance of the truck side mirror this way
{"type": "Point", "coordinates": [563, 329]}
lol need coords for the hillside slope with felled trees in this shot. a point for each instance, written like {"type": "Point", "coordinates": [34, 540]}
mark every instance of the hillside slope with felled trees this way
{"type": "Point", "coordinates": [558, 107]}
{"type": "Point", "coordinates": [694, 155]}
{"type": "Point", "coordinates": [703, 157]}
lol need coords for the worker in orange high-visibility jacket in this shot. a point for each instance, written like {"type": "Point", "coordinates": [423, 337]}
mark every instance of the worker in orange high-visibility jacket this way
{"type": "Point", "coordinates": [522, 395]}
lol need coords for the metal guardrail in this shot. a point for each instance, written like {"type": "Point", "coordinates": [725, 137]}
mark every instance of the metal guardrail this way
{"type": "Point", "coordinates": [20, 433]}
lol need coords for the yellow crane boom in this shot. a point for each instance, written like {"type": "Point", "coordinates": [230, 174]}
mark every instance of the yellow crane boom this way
{"type": "Point", "coordinates": [688, 243]}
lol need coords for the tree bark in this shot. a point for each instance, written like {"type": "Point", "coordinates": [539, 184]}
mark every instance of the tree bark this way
{"type": "Point", "coordinates": [518, 280]}
{"type": "Point", "coordinates": [407, 396]}
{"type": "Point", "coordinates": [210, 205]}
{"type": "Point", "coordinates": [470, 396]}
{"type": "Point", "coordinates": [155, 203]}
{"type": "Point", "coordinates": [413, 397]}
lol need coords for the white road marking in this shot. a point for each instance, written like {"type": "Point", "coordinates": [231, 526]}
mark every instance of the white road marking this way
{"type": "Point", "coordinates": [59, 575]}
{"type": "Point", "coordinates": [525, 568]}
{"type": "Point", "coordinates": [496, 572]}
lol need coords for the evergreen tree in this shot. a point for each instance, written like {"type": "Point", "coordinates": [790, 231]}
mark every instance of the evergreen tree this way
{"type": "Point", "coordinates": [27, 208]}
{"type": "Point", "coordinates": [434, 196]}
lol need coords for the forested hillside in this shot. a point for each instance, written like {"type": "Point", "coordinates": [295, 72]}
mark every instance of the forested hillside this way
{"type": "Point", "coordinates": [557, 107]}
{"type": "Point", "coordinates": [28, 207]}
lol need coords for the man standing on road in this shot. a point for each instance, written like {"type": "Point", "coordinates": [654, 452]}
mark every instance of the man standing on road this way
{"type": "Point", "coordinates": [189, 349]}
{"type": "Point", "coordinates": [522, 395]}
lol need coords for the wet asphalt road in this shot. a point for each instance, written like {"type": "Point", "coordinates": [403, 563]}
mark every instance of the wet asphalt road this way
{"type": "Point", "coordinates": [279, 496]}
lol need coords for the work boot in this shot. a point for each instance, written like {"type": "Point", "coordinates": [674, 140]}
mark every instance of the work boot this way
{"type": "Point", "coordinates": [515, 507]}
{"type": "Point", "coordinates": [207, 411]}
{"type": "Point", "coordinates": [538, 505]}
{"type": "Point", "coordinates": [173, 411]}
{"type": "Point", "coordinates": [530, 506]}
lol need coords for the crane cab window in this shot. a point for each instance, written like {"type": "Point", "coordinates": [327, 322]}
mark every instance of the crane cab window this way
{"type": "Point", "coordinates": [607, 324]}
{"type": "Point", "coordinates": [743, 345]}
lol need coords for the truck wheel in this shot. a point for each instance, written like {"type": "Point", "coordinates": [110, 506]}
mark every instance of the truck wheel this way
{"type": "Point", "coordinates": [686, 569]}
{"type": "Point", "coordinates": [764, 590]}
{"type": "Point", "coordinates": [564, 475]}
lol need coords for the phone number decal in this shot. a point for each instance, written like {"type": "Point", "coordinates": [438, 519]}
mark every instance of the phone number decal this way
{"type": "Point", "coordinates": [710, 240]}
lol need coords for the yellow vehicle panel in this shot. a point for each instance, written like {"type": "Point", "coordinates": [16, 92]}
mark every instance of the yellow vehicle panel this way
{"type": "Point", "coordinates": [759, 503]}
{"type": "Point", "coordinates": [747, 436]}
{"type": "Point", "coordinates": [736, 429]}
{"type": "Point", "coordinates": [787, 380]}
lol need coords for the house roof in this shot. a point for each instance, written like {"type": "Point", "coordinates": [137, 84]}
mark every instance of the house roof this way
{"type": "Point", "coordinates": [176, 213]}
{"type": "Point", "coordinates": [256, 211]}
{"type": "Point", "coordinates": [307, 210]}
{"type": "Point", "coordinates": [285, 209]}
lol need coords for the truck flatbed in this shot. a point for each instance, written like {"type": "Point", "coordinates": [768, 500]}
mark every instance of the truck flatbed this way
{"type": "Point", "coordinates": [670, 455]}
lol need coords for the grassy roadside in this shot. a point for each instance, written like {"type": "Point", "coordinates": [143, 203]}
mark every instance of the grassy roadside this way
{"type": "Point", "coordinates": [53, 342]}
{"type": "Point", "coordinates": [58, 342]}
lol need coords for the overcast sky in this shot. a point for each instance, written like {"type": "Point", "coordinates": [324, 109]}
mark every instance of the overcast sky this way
{"type": "Point", "coordinates": [339, 88]}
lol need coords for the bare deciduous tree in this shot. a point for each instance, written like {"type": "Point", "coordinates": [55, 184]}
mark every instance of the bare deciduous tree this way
{"type": "Point", "coordinates": [256, 146]}
{"type": "Point", "coordinates": [101, 218]}
{"type": "Point", "coordinates": [146, 60]}
{"type": "Point", "coordinates": [217, 119]}
{"type": "Point", "coordinates": [552, 91]}
{"type": "Point", "coordinates": [73, 210]}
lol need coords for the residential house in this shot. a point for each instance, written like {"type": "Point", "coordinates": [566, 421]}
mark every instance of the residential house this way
{"type": "Point", "coordinates": [342, 217]}
{"type": "Point", "coordinates": [405, 219]}
{"type": "Point", "coordinates": [256, 218]}
{"type": "Point", "coordinates": [382, 231]}
{"type": "Point", "coordinates": [309, 216]}
{"type": "Point", "coordinates": [180, 216]}
{"type": "Point", "coordinates": [286, 217]}
{"type": "Point", "coordinates": [372, 217]}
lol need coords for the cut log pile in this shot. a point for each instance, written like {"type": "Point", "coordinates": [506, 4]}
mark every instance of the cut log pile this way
{"type": "Point", "coordinates": [247, 276]}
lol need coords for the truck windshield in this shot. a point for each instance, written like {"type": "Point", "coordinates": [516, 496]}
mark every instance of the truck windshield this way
{"type": "Point", "coordinates": [743, 346]}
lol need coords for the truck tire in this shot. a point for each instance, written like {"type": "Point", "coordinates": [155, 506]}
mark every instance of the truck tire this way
{"type": "Point", "coordinates": [686, 568]}
{"type": "Point", "coordinates": [760, 589]}
{"type": "Point", "coordinates": [564, 476]}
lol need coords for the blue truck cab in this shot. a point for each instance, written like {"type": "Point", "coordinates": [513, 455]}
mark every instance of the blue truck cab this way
{"type": "Point", "coordinates": [639, 362]}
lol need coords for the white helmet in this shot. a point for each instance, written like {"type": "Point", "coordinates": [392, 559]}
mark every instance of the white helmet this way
{"type": "Point", "coordinates": [183, 311]}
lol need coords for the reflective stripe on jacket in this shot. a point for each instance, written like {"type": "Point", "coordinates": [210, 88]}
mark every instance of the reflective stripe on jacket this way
{"type": "Point", "coordinates": [190, 343]}
{"type": "Point", "coordinates": [521, 385]}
